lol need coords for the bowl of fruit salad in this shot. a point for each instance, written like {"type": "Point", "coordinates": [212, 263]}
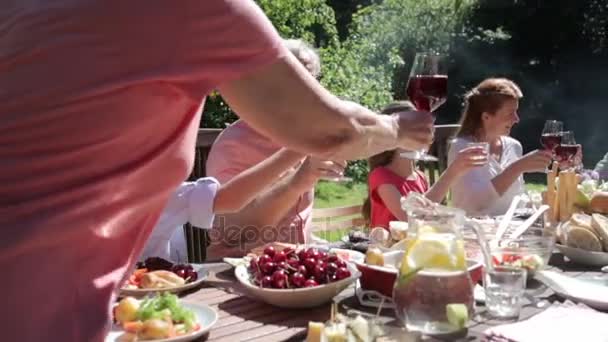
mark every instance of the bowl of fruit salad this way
{"type": "Point", "coordinates": [531, 251]}
{"type": "Point", "coordinates": [162, 318]}
{"type": "Point", "coordinates": [157, 274]}
{"type": "Point", "coordinates": [292, 278]}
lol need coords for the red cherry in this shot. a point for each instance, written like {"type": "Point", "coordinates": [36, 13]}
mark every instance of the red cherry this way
{"type": "Point", "coordinates": [342, 273]}
{"type": "Point", "coordinates": [319, 273]}
{"type": "Point", "coordinates": [298, 280]}
{"type": "Point", "coordinates": [302, 255]}
{"type": "Point", "coordinates": [331, 268]}
{"type": "Point", "coordinates": [332, 258]}
{"type": "Point", "coordinates": [302, 269]}
{"type": "Point", "coordinates": [264, 259]}
{"type": "Point", "coordinates": [269, 250]}
{"type": "Point", "coordinates": [266, 281]}
{"type": "Point", "coordinates": [294, 263]}
{"type": "Point", "coordinates": [181, 273]}
{"type": "Point", "coordinates": [310, 264]}
{"type": "Point", "coordinates": [340, 263]}
{"type": "Point", "coordinates": [279, 256]}
{"type": "Point", "coordinates": [323, 255]}
{"type": "Point", "coordinates": [268, 267]}
{"type": "Point", "coordinates": [288, 250]}
{"type": "Point", "coordinates": [310, 283]}
{"type": "Point", "coordinates": [253, 264]}
{"type": "Point", "coordinates": [279, 279]}
{"type": "Point", "coordinates": [312, 250]}
{"type": "Point", "coordinates": [282, 265]}
{"type": "Point", "coordinates": [315, 254]}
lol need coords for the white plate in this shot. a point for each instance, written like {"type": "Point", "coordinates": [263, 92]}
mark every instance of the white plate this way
{"type": "Point", "coordinates": [206, 317]}
{"type": "Point", "coordinates": [296, 298]}
{"type": "Point", "coordinates": [584, 257]}
{"type": "Point", "coordinates": [138, 293]}
{"type": "Point", "coordinates": [588, 291]}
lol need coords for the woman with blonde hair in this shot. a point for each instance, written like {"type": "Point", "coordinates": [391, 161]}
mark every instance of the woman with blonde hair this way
{"type": "Point", "coordinates": [392, 176]}
{"type": "Point", "coordinates": [490, 111]}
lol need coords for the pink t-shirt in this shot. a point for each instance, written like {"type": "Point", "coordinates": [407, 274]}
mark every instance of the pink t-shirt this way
{"type": "Point", "coordinates": [381, 216]}
{"type": "Point", "coordinates": [99, 109]}
{"type": "Point", "coordinates": [238, 148]}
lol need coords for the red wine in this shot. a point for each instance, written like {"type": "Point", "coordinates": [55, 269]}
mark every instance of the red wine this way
{"type": "Point", "coordinates": [550, 141]}
{"type": "Point", "coordinates": [427, 92]}
{"type": "Point", "coordinates": [566, 152]}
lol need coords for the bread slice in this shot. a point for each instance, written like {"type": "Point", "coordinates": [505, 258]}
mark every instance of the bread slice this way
{"type": "Point", "coordinates": [583, 238]}
{"type": "Point", "coordinates": [599, 223]}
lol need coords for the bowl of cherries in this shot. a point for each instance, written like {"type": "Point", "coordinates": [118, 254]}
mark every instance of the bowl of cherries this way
{"type": "Point", "coordinates": [292, 278]}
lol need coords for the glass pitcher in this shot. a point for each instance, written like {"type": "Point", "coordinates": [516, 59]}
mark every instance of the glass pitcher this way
{"type": "Point", "coordinates": [433, 293]}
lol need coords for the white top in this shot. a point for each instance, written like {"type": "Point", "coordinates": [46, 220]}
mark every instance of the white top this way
{"type": "Point", "coordinates": [192, 203]}
{"type": "Point", "coordinates": [474, 192]}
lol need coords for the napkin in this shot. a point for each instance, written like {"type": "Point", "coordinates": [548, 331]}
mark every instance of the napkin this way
{"type": "Point", "coordinates": [561, 322]}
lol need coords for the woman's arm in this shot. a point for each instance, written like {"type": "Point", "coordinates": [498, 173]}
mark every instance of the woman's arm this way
{"type": "Point", "coordinates": [235, 194]}
{"type": "Point", "coordinates": [465, 160]}
{"type": "Point", "coordinates": [472, 191]}
{"type": "Point", "coordinates": [391, 197]}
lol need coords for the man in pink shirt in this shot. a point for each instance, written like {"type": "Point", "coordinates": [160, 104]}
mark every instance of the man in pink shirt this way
{"type": "Point", "coordinates": [99, 108]}
{"type": "Point", "coordinates": [283, 211]}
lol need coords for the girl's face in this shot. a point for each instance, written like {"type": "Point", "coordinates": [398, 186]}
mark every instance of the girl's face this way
{"type": "Point", "coordinates": [501, 122]}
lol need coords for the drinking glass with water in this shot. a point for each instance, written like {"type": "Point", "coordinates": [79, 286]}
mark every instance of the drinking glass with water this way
{"type": "Point", "coordinates": [504, 288]}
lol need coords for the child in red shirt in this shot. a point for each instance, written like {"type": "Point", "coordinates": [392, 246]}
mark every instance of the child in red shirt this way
{"type": "Point", "coordinates": [392, 176]}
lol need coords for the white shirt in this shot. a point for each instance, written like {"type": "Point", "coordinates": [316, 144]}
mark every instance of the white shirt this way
{"type": "Point", "coordinates": [192, 203]}
{"type": "Point", "coordinates": [474, 192]}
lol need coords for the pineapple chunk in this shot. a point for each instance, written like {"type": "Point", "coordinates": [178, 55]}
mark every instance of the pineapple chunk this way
{"type": "Point", "coordinates": [315, 331]}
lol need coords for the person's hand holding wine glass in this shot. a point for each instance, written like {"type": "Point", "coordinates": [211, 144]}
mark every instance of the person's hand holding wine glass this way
{"type": "Point", "coordinates": [551, 136]}
{"type": "Point", "coordinates": [427, 89]}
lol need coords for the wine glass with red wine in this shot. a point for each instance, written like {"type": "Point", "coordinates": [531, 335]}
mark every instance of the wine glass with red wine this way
{"type": "Point", "coordinates": [551, 136]}
{"type": "Point", "coordinates": [427, 89]}
{"type": "Point", "coordinates": [567, 149]}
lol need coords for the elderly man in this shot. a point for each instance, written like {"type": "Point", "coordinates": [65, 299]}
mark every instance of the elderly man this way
{"type": "Point", "coordinates": [99, 108]}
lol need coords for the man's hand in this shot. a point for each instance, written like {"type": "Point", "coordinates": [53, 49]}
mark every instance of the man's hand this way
{"type": "Point", "coordinates": [314, 168]}
{"type": "Point", "coordinates": [415, 130]}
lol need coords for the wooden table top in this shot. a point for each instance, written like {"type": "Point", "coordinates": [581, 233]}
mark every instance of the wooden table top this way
{"type": "Point", "coordinates": [244, 319]}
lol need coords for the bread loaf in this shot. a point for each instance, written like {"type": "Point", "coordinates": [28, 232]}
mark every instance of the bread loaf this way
{"type": "Point", "coordinates": [599, 202]}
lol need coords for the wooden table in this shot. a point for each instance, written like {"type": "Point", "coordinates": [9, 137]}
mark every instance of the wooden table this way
{"type": "Point", "coordinates": [243, 319]}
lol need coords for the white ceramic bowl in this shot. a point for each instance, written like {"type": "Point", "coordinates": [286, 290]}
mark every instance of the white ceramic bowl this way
{"type": "Point", "coordinates": [295, 298]}
{"type": "Point", "coordinates": [583, 257]}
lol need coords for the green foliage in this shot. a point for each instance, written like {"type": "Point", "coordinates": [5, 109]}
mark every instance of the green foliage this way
{"type": "Point", "coordinates": [371, 65]}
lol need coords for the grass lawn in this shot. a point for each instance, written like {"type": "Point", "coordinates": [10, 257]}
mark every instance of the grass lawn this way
{"type": "Point", "coordinates": [331, 194]}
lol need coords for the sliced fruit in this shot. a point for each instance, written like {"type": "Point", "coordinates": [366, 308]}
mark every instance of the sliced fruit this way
{"type": "Point", "coordinates": [315, 332]}
{"type": "Point", "coordinates": [407, 276]}
{"type": "Point", "coordinates": [435, 251]}
{"type": "Point", "coordinates": [457, 314]}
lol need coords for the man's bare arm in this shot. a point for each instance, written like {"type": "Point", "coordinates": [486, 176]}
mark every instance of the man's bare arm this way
{"type": "Point", "coordinates": [285, 103]}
